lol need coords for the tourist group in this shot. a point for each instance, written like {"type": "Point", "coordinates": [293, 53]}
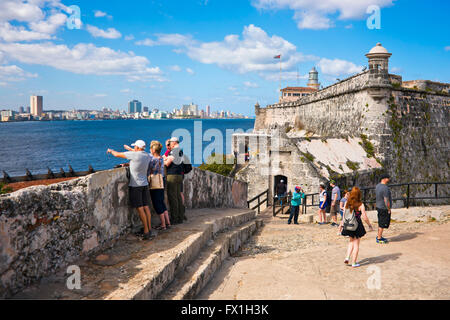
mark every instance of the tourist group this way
{"type": "Point", "coordinates": [150, 174]}
{"type": "Point", "coordinates": [351, 209]}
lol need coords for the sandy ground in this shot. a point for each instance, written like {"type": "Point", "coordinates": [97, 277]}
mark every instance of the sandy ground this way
{"type": "Point", "coordinates": [306, 261]}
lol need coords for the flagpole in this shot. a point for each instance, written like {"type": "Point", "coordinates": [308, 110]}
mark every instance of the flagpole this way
{"type": "Point", "coordinates": [280, 78]}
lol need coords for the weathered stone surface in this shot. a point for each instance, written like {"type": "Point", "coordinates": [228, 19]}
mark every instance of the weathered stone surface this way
{"type": "Point", "coordinates": [44, 228]}
{"type": "Point", "coordinates": [407, 129]}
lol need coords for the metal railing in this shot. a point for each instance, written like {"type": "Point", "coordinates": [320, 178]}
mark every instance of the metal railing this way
{"type": "Point", "coordinates": [49, 175]}
{"type": "Point", "coordinates": [406, 197]}
{"type": "Point", "coordinates": [285, 203]}
{"type": "Point", "coordinates": [260, 202]}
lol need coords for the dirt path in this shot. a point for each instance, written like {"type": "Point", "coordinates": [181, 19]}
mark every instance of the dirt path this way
{"type": "Point", "coordinates": [306, 262]}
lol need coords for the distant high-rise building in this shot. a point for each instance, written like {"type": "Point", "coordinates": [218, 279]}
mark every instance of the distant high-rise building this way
{"type": "Point", "coordinates": [28, 110]}
{"type": "Point", "coordinates": [134, 106]}
{"type": "Point", "coordinates": [36, 105]}
{"type": "Point", "coordinates": [208, 111]}
{"type": "Point", "coordinates": [21, 110]}
{"type": "Point", "coordinates": [145, 109]}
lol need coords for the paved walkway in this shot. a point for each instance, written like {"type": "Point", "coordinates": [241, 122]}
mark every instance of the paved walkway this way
{"type": "Point", "coordinates": [306, 262]}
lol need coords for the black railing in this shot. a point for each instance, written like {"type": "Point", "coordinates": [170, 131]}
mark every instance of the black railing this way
{"type": "Point", "coordinates": [260, 202]}
{"type": "Point", "coordinates": [370, 199]}
{"type": "Point", "coordinates": [285, 203]}
{"type": "Point", "coordinates": [49, 175]}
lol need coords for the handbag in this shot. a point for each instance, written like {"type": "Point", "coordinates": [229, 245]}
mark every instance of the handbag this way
{"type": "Point", "coordinates": [350, 222]}
{"type": "Point", "coordinates": [156, 181]}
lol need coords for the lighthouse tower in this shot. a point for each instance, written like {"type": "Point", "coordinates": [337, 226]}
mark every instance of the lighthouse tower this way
{"type": "Point", "coordinates": [314, 79]}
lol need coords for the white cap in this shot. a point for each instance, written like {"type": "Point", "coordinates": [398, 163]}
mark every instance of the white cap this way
{"type": "Point", "coordinates": [139, 143]}
{"type": "Point", "coordinates": [174, 139]}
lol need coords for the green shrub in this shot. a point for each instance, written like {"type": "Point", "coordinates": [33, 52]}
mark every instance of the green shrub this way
{"type": "Point", "coordinates": [4, 188]}
{"type": "Point", "coordinates": [367, 146]}
{"type": "Point", "coordinates": [217, 164]}
{"type": "Point", "coordinates": [308, 156]}
{"type": "Point", "coordinates": [352, 165]}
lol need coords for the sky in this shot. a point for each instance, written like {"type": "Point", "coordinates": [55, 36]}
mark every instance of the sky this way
{"type": "Point", "coordinates": [209, 52]}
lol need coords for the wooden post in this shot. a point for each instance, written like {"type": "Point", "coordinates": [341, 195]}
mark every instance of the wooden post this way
{"type": "Point", "coordinates": [259, 204]}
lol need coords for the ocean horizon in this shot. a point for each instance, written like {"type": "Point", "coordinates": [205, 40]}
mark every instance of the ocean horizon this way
{"type": "Point", "coordinates": [38, 145]}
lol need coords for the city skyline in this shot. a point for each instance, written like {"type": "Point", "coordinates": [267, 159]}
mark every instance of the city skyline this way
{"type": "Point", "coordinates": [153, 51]}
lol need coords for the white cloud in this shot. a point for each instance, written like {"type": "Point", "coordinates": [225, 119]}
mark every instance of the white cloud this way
{"type": "Point", "coordinates": [83, 59]}
{"type": "Point", "coordinates": [447, 48]}
{"type": "Point", "coordinates": [125, 90]}
{"type": "Point", "coordinates": [51, 25]}
{"type": "Point", "coordinates": [190, 71]}
{"type": "Point", "coordinates": [175, 68]}
{"type": "Point", "coordinates": [253, 52]}
{"type": "Point", "coordinates": [249, 84]}
{"type": "Point", "coordinates": [313, 14]}
{"type": "Point", "coordinates": [22, 11]}
{"type": "Point", "coordinates": [337, 67]}
{"type": "Point", "coordinates": [110, 33]}
{"type": "Point", "coordinates": [129, 37]}
{"type": "Point", "coordinates": [14, 73]}
{"type": "Point", "coordinates": [10, 33]}
{"type": "Point", "coordinates": [100, 95]}
{"type": "Point", "coordinates": [15, 14]}
{"type": "Point", "coordinates": [100, 14]}
{"type": "Point", "coordinates": [350, 26]}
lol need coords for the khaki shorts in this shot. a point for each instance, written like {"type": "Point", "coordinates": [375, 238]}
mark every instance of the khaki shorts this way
{"type": "Point", "coordinates": [335, 209]}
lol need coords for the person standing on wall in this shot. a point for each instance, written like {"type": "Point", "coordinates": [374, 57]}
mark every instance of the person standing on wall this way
{"type": "Point", "coordinates": [296, 201]}
{"type": "Point", "coordinates": [384, 205]}
{"type": "Point", "coordinates": [281, 190]}
{"type": "Point", "coordinates": [323, 199]}
{"type": "Point", "coordinates": [138, 185]}
{"type": "Point", "coordinates": [335, 201]}
{"type": "Point", "coordinates": [174, 164]}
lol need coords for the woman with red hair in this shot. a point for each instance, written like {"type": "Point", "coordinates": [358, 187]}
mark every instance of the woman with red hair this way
{"type": "Point", "coordinates": [355, 204]}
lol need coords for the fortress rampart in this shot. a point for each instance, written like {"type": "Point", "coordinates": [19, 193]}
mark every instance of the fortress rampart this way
{"type": "Point", "coordinates": [44, 228]}
{"type": "Point", "coordinates": [399, 127]}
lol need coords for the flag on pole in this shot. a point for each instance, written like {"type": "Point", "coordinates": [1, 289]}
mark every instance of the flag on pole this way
{"type": "Point", "coordinates": [277, 57]}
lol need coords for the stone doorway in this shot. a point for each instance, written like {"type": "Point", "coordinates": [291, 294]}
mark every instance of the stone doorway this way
{"type": "Point", "coordinates": [276, 180]}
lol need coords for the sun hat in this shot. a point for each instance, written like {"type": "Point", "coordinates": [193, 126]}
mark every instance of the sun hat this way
{"type": "Point", "coordinates": [139, 143]}
{"type": "Point", "coordinates": [174, 139]}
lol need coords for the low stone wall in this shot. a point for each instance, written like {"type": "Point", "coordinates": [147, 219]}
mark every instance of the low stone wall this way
{"type": "Point", "coordinates": [44, 228]}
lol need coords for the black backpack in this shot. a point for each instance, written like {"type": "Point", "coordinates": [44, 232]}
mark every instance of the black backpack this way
{"type": "Point", "coordinates": [187, 166]}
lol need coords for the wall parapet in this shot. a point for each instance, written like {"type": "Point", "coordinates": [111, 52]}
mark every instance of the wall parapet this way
{"type": "Point", "coordinates": [45, 228]}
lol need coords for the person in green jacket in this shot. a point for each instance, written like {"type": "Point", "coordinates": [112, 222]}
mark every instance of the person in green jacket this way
{"type": "Point", "coordinates": [296, 201]}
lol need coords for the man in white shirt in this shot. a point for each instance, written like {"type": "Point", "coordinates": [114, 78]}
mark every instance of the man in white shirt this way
{"type": "Point", "coordinates": [138, 185]}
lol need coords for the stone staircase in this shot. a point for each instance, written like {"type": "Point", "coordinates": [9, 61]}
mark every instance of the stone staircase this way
{"type": "Point", "coordinates": [177, 264]}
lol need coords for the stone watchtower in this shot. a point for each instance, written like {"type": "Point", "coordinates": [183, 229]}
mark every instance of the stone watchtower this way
{"type": "Point", "coordinates": [378, 71]}
{"type": "Point", "coordinates": [313, 79]}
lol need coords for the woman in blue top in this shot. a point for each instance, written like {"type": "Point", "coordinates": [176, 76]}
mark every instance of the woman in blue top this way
{"type": "Point", "coordinates": [322, 204]}
{"type": "Point", "coordinates": [156, 166]}
{"type": "Point", "coordinates": [296, 201]}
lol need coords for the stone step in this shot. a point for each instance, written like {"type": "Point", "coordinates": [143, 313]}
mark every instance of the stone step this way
{"type": "Point", "coordinates": [136, 269]}
{"type": "Point", "coordinates": [148, 283]}
{"type": "Point", "coordinates": [193, 279]}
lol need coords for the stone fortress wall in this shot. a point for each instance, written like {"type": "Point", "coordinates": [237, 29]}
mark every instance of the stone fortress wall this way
{"type": "Point", "coordinates": [405, 123]}
{"type": "Point", "coordinates": [44, 228]}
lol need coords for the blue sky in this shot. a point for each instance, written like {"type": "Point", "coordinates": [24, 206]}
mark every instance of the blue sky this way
{"type": "Point", "coordinates": [216, 52]}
